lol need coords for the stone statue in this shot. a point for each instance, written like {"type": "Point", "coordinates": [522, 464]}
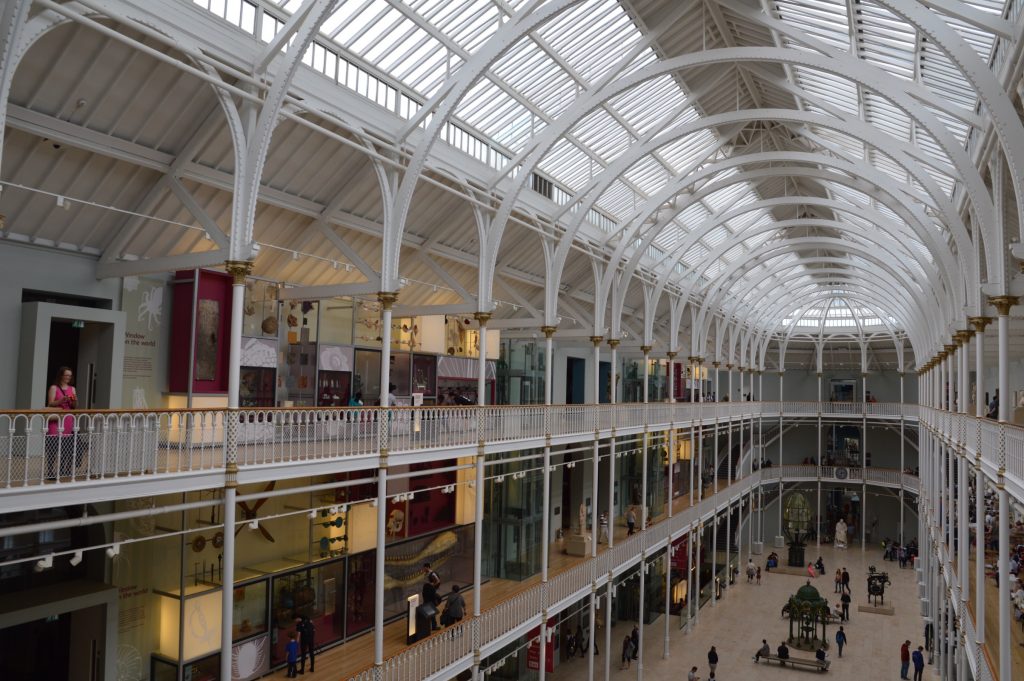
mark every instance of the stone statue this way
{"type": "Point", "coordinates": [583, 520]}
{"type": "Point", "coordinates": [841, 534]}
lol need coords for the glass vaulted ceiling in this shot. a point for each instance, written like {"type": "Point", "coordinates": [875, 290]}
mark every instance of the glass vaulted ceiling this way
{"type": "Point", "coordinates": [420, 43]}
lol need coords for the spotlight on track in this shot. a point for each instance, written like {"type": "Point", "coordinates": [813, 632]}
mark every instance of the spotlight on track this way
{"type": "Point", "coordinates": [312, 514]}
{"type": "Point", "coordinates": [254, 524]}
{"type": "Point", "coordinates": [44, 563]}
{"type": "Point", "coordinates": [113, 550]}
{"type": "Point", "coordinates": [75, 559]}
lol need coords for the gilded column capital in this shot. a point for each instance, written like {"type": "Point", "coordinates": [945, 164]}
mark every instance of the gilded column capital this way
{"type": "Point", "coordinates": [239, 270]}
{"type": "Point", "coordinates": [949, 348]}
{"type": "Point", "coordinates": [596, 340]}
{"type": "Point", "coordinates": [979, 323]}
{"type": "Point", "coordinates": [614, 343]}
{"type": "Point", "coordinates": [693, 359]}
{"type": "Point", "coordinates": [716, 364]}
{"type": "Point", "coordinates": [671, 354]}
{"type": "Point", "coordinates": [482, 318]}
{"type": "Point", "coordinates": [646, 349]}
{"type": "Point", "coordinates": [387, 299]}
{"type": "Point", "coordinates": [1002, 304]}
{"type": "Point", "coordinates": [549, 331]}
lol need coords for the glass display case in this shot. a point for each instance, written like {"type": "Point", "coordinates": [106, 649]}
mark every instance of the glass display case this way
{"type": "Point", "coordinates": [256, 387]}
{"type": "Point", "coordinates": [333, 389]}
{"type": "Point", "coordinates": [298, 344]}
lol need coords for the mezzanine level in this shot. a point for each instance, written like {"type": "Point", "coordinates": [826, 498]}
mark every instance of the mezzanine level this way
{"type": "Point", "coordinates": [120, 454]}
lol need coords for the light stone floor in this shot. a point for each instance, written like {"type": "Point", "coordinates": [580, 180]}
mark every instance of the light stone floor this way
{"type": "Point", "coordinates": [747, 613]}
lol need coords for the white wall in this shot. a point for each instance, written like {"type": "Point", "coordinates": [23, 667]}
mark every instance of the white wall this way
{"type": "Point", "coordinates": [28, 267]}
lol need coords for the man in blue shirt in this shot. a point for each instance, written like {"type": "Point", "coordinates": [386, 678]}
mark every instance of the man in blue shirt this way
{"type": "Point", "coordinates": [918, 659]}
{"type": "Point", "coordinates": [840, 640]}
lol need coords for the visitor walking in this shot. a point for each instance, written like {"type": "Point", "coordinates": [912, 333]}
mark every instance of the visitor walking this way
{"type": "Point", "coordinates": [627, 653]}
{"type": "Point", "coordinates": [712, 659]}
{"type": "Point", "coordinates": [918, 658]}
{"type": "Point", "coordinates": [635, 636]}
{"type": "Point", "coordinates": [603, 536]}
{"type": "Point", "coordinates": [845, 600]}
{"type": "Point", "coordinates": [846, 581]}
{"type": "Point", "coordinates": [840, 640]}
{"type": "Point", "coordinates": [630, 521]}
{"type": "Point", "coordinates": [905, 660]}
{"type": "Point", "coordinates": [759, 574]}
{"type": "Point", "coordinates": [750, 570]}
{"type": "Point", "coordinates": [839, 580]}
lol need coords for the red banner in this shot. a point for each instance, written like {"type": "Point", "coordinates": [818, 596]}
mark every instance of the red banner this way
{"type": "Point", "coordinates": [533, 651]}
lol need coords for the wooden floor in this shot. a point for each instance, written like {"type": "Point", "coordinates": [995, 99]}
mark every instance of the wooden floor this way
{"type": "Point", "coordinates": [992, 622]}
{"type": "Point", "coordinates": [346, 660]}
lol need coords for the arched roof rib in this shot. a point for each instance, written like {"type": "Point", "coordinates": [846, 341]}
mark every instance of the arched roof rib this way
{"type": "Point", "coordinates": [686, 178]}
{"type": "Point", "coordinates": [587, 103]}
{"type": "Point", "coordinates": [794, 295]}
{"type": "Point", "coordinates": [948, 271]}
{"type": "Point", "coordinates": [771, 251]}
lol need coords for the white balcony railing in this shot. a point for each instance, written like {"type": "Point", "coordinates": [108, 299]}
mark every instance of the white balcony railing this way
{"type": "Point", "coordinates": [76, 447]}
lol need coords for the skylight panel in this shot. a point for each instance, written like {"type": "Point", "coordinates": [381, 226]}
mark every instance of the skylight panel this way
{"type": "Point", "coordinates": [467, 23]}
{"type": "Point", "coordinates": [849, 145]}
{"type": "Point", "coordinates": [532, 72]}
{"type": "Point", "coordinates": [618, 200]}
{"type": "Point", "coordinates": [685, 151]}
{"type": "Point", "coordinates": [602, 134]}
{"type": "Point", "coordinates": [885, 163]}
{"type": "Point", "coordinates": [649, 102]}
{"type": "Point", "coordinates": [669, 237]}
{"type": "Point", "coordinates": [885, 40]}
{"type": "Point", "coordinates": [648, 174]}
{"type": "Point", "coordinates": [695, 255]}
{"type": "Point", "coordinates": [837, 92]}
{"type": "Point", "coordinates": [716, 236]}
{"type": "Point", "coordinates": [822, 19]}
{"type": "Point", "coordinates": [568, 163]}
{"type": "Point", "coordinates": [694, 215]}
{"type": "Point", "coordinates": [595, 24]}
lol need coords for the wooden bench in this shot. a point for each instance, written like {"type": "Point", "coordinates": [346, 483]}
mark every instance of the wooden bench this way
{"type": "Point", "coordinates": [797, 662]}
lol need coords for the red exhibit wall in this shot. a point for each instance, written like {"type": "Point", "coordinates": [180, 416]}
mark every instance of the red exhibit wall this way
{"type": "Point", "coordinates": [212, 286]}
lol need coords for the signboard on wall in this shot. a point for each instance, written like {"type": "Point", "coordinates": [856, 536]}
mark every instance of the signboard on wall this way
{"type": "Point", "coordinates": [143, 302]}
{"type": "Point", "coordinates": [533, 650]}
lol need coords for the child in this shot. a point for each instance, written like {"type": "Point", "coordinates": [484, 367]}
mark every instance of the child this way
{"type": "Point", "coordinates": [292, 651]}
{"type": "Point", "coordinates": [758, 575]}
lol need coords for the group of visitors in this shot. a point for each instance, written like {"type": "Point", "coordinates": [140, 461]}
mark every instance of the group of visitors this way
{"type": "Point", "coordinates": [301, 642]}
{"type": "Point", "coordinates": [454, 602]}
{"type": "Point", "coordinates": [905, 555]}
{"type": "Point", "coordinates": [906, 657]}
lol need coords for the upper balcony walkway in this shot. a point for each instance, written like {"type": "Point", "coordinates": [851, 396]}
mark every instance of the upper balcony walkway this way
{"type": "Point", "coordinates": [119, 454]}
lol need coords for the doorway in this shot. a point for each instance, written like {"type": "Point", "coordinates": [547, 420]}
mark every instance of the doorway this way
{"type": "Point", "coordinates": [89, 340]}
{"type": "Point", "coordinates": [70, 636]}
{"type": "Point", "coordinates": [575, 380]}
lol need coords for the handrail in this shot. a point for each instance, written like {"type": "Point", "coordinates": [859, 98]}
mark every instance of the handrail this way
{"type": "Point", "coordinates": [78, 447]}
{"type": "Point", "coordinates": [524, 609]}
